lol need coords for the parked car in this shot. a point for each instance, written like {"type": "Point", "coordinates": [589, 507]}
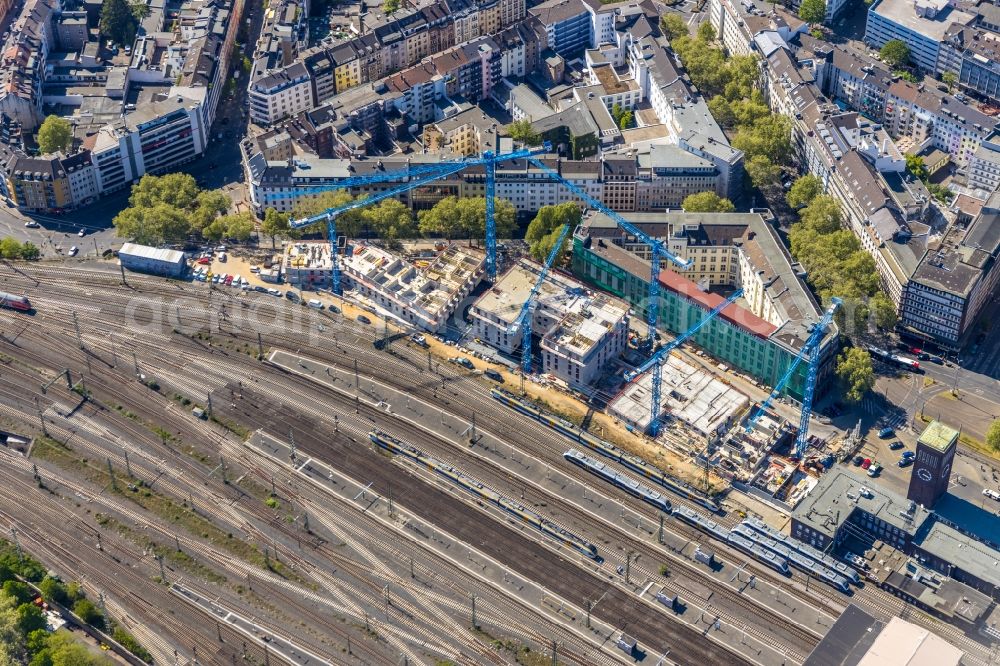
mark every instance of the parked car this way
{"type": "Point", "coordinates": [333, 308]}
{"type": "Point", "coordinates": [273, 291]}
{"type": "Point", "coordinates": [364, 320]}
{"type": "Point", "coordinates": [909, 454]}
{"type": "Point", "coordinates": [885, 433]}
{"type": "Point", "coordinates": [419, 339]}
{"type": "Point", "coordinates": [314, 303]}
{"type": "Point", "coordinates": [73, 250]}
{"type": "Point", "coordinates": [874, 470]}
{"type": "Point", "coordinates": [229, 280]}
{"type": "Point", "coordinates": [494, 375]}
{"type": "Point", "coordinates": [292, 296]}
{"type": "Point", "coordinates": [222, 256]}
{"type": "Point", "coordinates": [31, 224]}
{"type": "Point", "coordinates": [895, 446]}
{"type": "Point", "coordinates": [205, 260]}
{"type": "Point", "coordinates": [905, 462]}
{"type": "Point", "coordinates": [866, 463]}
{"type": "Point", "coordinates": [858, 460]}
{"type": "Point", "coordinates": [462, 361]}
{"type": "Point", "coordinates": [81, 233]}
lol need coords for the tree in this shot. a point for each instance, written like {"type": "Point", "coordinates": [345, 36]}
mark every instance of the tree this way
{"type": "Point", "coordinates": [762, 172]}
{"type": "Point", "coordinates": [541, 249]}
{"type": "Point", "coordinates": [707, 202]}
{"type": "Point", "coordinates": [949, 79]}
{"type": "Point", "coordinates": [884, 311]}
{"type": "Point", "coordinates": [140, 10]}
{"type": "Point", "coordinates": [30, 618]}
{"type": "Point", "coordinates": [153, 226]}
{"type": "Point", "coordinates": [391, 219]}
{"type": "Point", "coordinates": [12, 649]}
{"type": "Point", "coordinates": [207, 206]}
{"type": "Point", "coordinates": [238, 226]}
{"type": "Point", "coordinates": [854, 369]}
{"type": "Point", "coordinates": [349, 223]}
{"type": "Point", "coordinates": [803, 191]}
{"type": "Point", "coordinates": [18, 591]}
{"type": "Point", "coordinates": [769, 136]}
{"type": "Point", "coordinates": [993, 436]}
{"type": "Point", "coordinates": [706, 33]}
{"type": "Point", "coordinates": [812, 11]}
{"type": "Point", "coordinates": [545, 228]}
{"type": "Point", "coordinates": [53, 590]}
{"type": "Point", "coordinates": [390, 6]}
{"type": "Point", "coordinates": [895, 53]}
{"type": "Point", "coordinates": [30, 251]}
{"type": "Point", "coordinates": [55, 134]}
{"type": "Point", "coordinates": [88, 612]}
{"type": "Point", "coordinates": [822, 215]}
{"type": "Point", "coordinates": [673, 26]}
{"type": "Point", "coordinates": [179, 190]}
{"type": "Point", "coordinates": [472, 217]}
{"type": "Point", "coordinates": [915, 167]}
{"type": "Point", "coordinates": [443, 219]}
{"type": "Point", "coordinates": [118, 22]}
{"type": "Point", "coordinates": [522, 130]}
{"type": "Point", "coordinates": [626, 120]}
{"type": "Point", "coordinates": [274, 224]}
{"type": "Point", "coordinates": [10, 248]}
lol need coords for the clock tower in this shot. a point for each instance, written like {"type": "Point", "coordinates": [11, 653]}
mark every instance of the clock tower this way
{"type": "Point", "coordinates": [932, 466]}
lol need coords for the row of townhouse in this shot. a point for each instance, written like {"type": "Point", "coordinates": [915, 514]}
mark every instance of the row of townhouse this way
{"type": "Point", "coordinates": [938, 275]}
{"type": "Point", "coordinates": [285, 81]}
{"type": "Point", "coordinates": [22, 67]}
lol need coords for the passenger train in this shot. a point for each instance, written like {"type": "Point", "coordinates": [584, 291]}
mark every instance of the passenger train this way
{"type": "Point", "coordinates": [628, 484]}
{"type": "Point", "coordinates": [19, 303]}
{"type": "Point", "coordinates": [733, 538]}
{"type": "Point", "coordinates": [606, 449]}
{"type": "Point", "coordinates": [794, 557]}
{"type": "Point", "coordinates": [393, 445]}
{"type": "Point", "coordinates": [819, 557]}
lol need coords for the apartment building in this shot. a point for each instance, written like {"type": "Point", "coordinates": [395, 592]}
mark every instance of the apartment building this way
{"type": "Point", "coordinates": [921, 24]}
{"type": "Point", "coordinates": [580, 332]}
{"type": "Point", "coordinates": [426, 297]}
{"type": "Point", "coordinates": [38, 184]}
{"type": "Point", "coordinates": [280, 94]}
{"type": "Point", "coordinates": [984, 168]}
{"type": "Point", "coordinates": [22, 68]}
{"type": "Point", "coordinates": [568, 26]}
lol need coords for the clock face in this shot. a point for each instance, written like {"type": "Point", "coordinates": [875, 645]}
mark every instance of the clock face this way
{"type": "Point", "coordinates": [924, 474]}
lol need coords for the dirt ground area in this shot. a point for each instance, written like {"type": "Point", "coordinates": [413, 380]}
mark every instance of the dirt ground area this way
{"type": "Point", "coordinates": [557, 401]}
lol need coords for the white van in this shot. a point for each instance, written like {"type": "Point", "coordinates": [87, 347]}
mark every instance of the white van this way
{"type": "Point", "coordinates": [313, 303]}
{"type": "Point", "coordinates": [222, 256]}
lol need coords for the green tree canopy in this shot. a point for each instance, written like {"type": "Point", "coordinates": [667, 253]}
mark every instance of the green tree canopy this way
{"type": "Point", "coordinates": [854, 369]}
{"type": "Point", "coordinates": [349, 223]}
{"type": "Point", "coordinates": [275, 224]}
{"type": "Point", "coordinates": [466, 218]}
{"type": "Point", "coordinates": [706, 32]}
{"type": "Point", "coordinates": [390, 6]}
{"type": "Point", "coordinates": [804, 190]}
{"type": "Point", "coordinates": [895, 53]}
{"type": "Point", "coordinates": [884, 311]}
{"type": "Point", "coordinates": [523, 131]}
{"type": "Point", "coordinates": [673, 26]}
{"type": "Point", "coordinates": [769, 136]}
{"type": "Point", "coordinates": [237, 226]}
{"type": "Point", "coordinates": [544, 229]}
{"type": "Point", "coordinates": [707, 202]}
{"type": "Point", "coordinates": [993, 436]}
{"type": "Point", "coordinates": [89, 613]}
{"type": "Point", "coordinates": [763, 172]}
{"type": "Point", "coordinates": [949, 79]}
{"type": "Point", "coordinates": [391, 219]}
{"type": "Point", "coordinates": [118, 22]}
{"type": "Point", "coordinates": [812, 11]}
{"type": "Point", "coordinates": [915, 167]}
{"type": "Point", "coordinates": [55, 134]}
{"type": "Point", "coordinates": [443, 219]}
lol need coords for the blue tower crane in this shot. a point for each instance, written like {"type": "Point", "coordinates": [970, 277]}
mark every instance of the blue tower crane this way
{"type": "Point", "coordinates": [657, 249]}
{"type": "Point", "coordinates": [426, 175]}
{"type": "Point", "coordinates": [526, 313]}
{"type": "Point", "coordinates": [661, 355]}
{"type": "Point", "coordinates": [811, 350]}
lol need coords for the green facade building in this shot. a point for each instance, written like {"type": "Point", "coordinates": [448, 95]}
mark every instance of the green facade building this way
{"type": "Point", "coordinates": [736, 337]}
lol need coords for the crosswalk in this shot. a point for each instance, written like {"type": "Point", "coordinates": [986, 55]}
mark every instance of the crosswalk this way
{"type": "Point", "coordinates": [876, 407]}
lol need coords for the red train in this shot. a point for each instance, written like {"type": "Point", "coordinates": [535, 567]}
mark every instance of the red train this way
{"type": "Point", "coordinates": [14, 302]}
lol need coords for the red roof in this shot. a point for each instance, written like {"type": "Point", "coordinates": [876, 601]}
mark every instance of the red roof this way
{"type": "Point", "coordinates": [734, 314]}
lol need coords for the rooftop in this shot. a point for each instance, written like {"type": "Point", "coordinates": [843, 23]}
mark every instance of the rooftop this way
{"type": "Point", "coordinates": [307, 257]}
{"type": "Point", "coordinates": [967, 554]}
{"type": "Point", "coordinates": [155, 253]}
{"type": "Point", "coordinates": [938, 436]}
{"type": "Point", "coordinates": [840, 491]}
{"type": "Point", "coordinates": [904, 644]}
{"type": "Point", "coordinates": [848, 639]}
{"type": "Point", "coordinates": [903, 12]}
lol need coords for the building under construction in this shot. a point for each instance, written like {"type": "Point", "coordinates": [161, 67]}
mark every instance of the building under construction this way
{"type": "Point", "coordinates": [427, 296]}
{"type": "Point", "coordinates": [692, 396]}
{"type": "Point", "coordinates": [307, 265]}
{"type": "Point", "coordinates": [580, 331]}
